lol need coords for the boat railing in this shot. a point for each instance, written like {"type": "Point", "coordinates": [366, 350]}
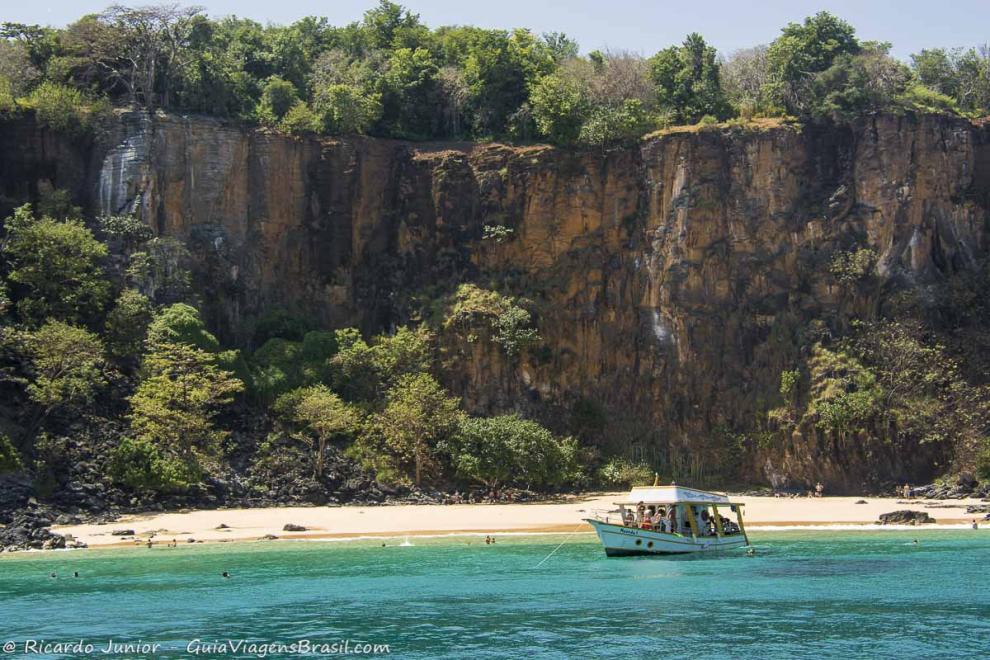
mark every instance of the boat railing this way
{"type": "Point", "coordinates": [606, 515]}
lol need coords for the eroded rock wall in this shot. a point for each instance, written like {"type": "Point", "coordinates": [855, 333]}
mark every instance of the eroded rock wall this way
{"type": "Point", "coordinates": [673, 281]}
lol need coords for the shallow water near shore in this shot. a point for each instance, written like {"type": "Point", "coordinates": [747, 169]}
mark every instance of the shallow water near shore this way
{"type": "Point", "coordinates": [805, 594]}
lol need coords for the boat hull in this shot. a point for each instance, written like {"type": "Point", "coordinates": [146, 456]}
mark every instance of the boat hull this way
{"type": "Point", "coordinates": [621, 541]}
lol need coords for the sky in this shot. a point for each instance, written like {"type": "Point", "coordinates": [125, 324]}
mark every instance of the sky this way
{"type": "Point", "coordinates": [636, 25]}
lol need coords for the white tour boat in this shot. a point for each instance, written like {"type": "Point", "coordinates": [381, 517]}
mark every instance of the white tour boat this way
{"type": "Point", "coordinates": [661, 520]}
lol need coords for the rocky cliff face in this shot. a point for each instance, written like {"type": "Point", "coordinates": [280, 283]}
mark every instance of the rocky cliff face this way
{"type": "Point", "coordinates": [673, 282]}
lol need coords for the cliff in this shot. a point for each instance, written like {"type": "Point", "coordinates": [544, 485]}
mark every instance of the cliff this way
{"type": "Point", "coordinates": [672, 282]}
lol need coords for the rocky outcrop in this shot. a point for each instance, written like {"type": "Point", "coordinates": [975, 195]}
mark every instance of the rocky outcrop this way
{"type": "Point", "coordinates": [905, 517]}
{"type": "Point", "coordinates": [673, 282]}
{"type": "Point", "coordinates": [29, 530]}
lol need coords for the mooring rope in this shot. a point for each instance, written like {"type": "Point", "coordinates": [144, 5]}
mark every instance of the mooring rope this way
{"type": "Point", "coordinates": [552, 552]}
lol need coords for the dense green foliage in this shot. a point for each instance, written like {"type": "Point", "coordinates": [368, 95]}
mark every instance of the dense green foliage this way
{"type": "Point", "coordinates": [479, 314]}
{"type": "Point", "coordinates": [57, 265]}
{"type": "Point", "coordinates": [391, 75]}
{"type": "Point", "coordinates": [67, 363]}
{"type": "Point", "coordinates": [891, 381]}
{"type": "Point", "coordinates": [622, 473]}
{"type": "Point", "coordinates": [510, 450]}
{"type": "Point", "coordinates": [147, 370]}
{"type": "Point", "coordinates": [402, 441]}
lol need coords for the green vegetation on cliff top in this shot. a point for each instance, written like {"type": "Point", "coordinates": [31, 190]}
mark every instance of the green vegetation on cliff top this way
{"type": "Point", "coordinates": [390, 75]}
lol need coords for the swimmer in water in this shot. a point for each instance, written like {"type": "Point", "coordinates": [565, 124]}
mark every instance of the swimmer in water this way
{"type": "Point", "coordinates": [52, 575]}
{"type": "Point", "coordinates": [225, 574]}
{"type": "Point", "coordinates": [75, 573]}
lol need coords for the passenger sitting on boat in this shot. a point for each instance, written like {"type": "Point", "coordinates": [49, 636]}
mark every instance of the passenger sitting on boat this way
{"type": "Point", "coordinates": [672, 520]}
{"type": "Point", "coordinates": [657, 520]}
{"type": "Point", "coordinates": [629, 519]}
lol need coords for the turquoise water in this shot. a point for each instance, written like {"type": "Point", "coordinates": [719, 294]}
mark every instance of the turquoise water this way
{"type": "Point", "coordinates": [804, 595]}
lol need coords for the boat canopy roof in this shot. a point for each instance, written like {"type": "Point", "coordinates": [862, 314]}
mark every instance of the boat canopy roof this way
{"type": "Point", "coordinates": [673, 495]}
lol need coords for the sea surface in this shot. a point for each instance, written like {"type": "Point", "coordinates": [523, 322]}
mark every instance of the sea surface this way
{"type": "Point", "coordinates": [805, 594]}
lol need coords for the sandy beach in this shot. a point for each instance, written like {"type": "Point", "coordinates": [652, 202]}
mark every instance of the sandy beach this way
{"type": "Point", "coordinates": [391, 521]}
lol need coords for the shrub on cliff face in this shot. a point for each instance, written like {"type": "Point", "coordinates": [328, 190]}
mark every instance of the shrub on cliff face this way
{"type": "Point", "coordinates": [844, 394]}
{"type": "Point", "coordinates": [160, 270]}
{"type": "Point", "coordinates": [475, 313]}
{"type": "Point", "coordinates": [850, 268]}
{"type": "Point", "coordinates": [57, 265]}
{"type": "Point", "coordinates": [891, 381]}
{"type": "Point", "coordinates": [623, 473]}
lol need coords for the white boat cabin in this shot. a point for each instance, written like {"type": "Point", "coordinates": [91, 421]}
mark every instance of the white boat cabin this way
{"type": "Point", "coordinates": [680, 510]}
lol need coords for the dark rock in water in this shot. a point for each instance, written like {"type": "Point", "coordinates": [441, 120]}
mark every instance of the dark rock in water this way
{"type": "Point", "coordinates": [978, 508]}
{"type": "Point", "coordinates": [905, 517]}
{"type": "Point", "coordinates": [222, 526]}
{"type": "Point", "coordinates": [269, 537]}
{"type": "Point", "coordinates": [190, 540]}
{"type": "Point", "coordinates": [862, 502]}
{"type": "Point", "coordinates": [122, 532]}
{"type": "Point", "coordinates": [289, 527]}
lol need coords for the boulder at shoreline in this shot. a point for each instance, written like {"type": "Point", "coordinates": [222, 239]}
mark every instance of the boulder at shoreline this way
{"type": "Point", "coordinates": [905, 517]}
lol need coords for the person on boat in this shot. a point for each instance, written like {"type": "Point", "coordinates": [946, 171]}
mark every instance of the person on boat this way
{"type": "Point", "coordinates": [660, 520]}
{"type": "Point", "coordinates": [672, 519]}
{"type": "Point", "coordinates": [628, 519]}
{"type": "Point", "coordinates": [657, 520]}
{"type": "Point", "coordinates": [640, 511]}
{"type": "Point", "coordinates": [705, 523]}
